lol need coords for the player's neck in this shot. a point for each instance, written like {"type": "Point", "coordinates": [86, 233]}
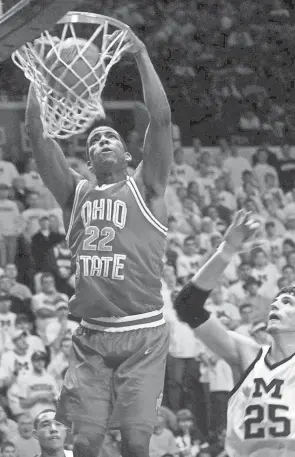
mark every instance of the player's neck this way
{"type": "Point", "coordinates": [111, 178]}
{"type": "Point", "coordinates": [282, 347]}
{"type": "Point", "coordinates": [55, 453]}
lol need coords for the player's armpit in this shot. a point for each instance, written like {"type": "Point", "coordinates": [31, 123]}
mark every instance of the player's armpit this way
{"type": "Point", "coordinates": [228, 345]}
{"type": "Point", "coordinates": [51, 162]}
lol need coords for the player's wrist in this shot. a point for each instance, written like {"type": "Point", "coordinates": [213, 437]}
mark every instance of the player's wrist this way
{"type": "Point", "coordinates": [226, 251]}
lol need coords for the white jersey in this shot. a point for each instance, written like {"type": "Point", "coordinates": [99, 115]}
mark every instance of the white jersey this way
{"type": "Point", "coordinates": [261, 410]}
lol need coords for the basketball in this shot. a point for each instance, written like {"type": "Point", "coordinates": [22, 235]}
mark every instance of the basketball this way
{"type": "Point", "coordinates": [64, 69]}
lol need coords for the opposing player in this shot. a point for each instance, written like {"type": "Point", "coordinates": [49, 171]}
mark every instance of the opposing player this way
{"type": "Point", "coordinates": [116, 232]}
{"type": "Point", "coordinates": [261, 413]}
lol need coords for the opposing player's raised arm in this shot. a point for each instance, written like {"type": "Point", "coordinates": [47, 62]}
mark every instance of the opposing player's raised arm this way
{"type": "Point", "coordinates": [158, 147]}
{"type": "Point", "coordinates": [189, 303]}
{"type": "Point", "coordinates": [51, 162]}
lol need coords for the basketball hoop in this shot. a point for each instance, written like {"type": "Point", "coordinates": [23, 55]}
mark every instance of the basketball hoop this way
{"type": "Point", "coordinates": [64, 112]}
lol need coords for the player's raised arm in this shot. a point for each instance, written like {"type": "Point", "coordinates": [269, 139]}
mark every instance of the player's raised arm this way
{"type": "Point", "coordinates": [158, 148]}
{"type": "Point", "coordinates": [51, 162]}
{"type": "Point", "coordinates": [190, 301]}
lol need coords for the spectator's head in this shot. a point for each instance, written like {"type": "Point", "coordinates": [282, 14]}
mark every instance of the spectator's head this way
{"type": "Point", "coordinates": [246, 311]}
{"type": "Point", "coordinates": [262, 156]}
{"type": "Point", "coordinates": [4, 191]}
{"type": "Point", "coordinates": [33, 200]}
{"type": "Point", "coordinates": [290, 222]}
{"type": "Point", "coordinates": [283, 282]}
{"type": "Point", "coordinates": [20, 340]}
{"type": "Point", "coordinates": [288, 272]}
{"type": "Point", "coordinates": [259, 333]}
{"type": "Point", "coordinates": [259, 258]}
{"type": "Point", "coordinates": [179, 156]}
{"type": "Point", "coordinates": [247, 177]}
{"type": "Point", "coordinates": [161, 423]}
{"type": "Point", "coordinates": [22, 322]}
{"type": "Point", "coordinates": [53, 223]}
{"type": "Point", "coordinates": [48, 283]}
{"type": "Point", "coordinates": [206, 225]}
{"type": "Point", "coordinates": [189, 245]}
{"type": "Point", "coordinates": [169, 276]}
{"type": "Point", "coordinates": [205, 451]}
{"type": "Point", "coordinates": [234, 150]}
{"type": "Point", "coordinates": [185, 421]}
{"type": "Point", "coordinates": [39, 359]}
{"type": "Point", "coordinates": [206, 158]}
{"type": "Point", "coordinates": [250, 205]}
{"type": "Point", "coordinates": [243, 271]}
{"type": "Point", "coordinates": [47, 428]}
{"type": "Point", "coordinates": [5, 283]}
{"type": "Point", "coordinates": [193, 189]}
{"type": "Point", "coordinates": [25, 426]}
{"type": "Point", "coordinates": [62, 309]}
{"type": "Point", "coordinates": [8, 449]}
{"type": "Point", "coordinates": [65, 346]}
{"type": "Point", "coordinates": [288, 246]}
{"type": "Point", "coordinates": [286, 150]}
{"type": "Point", "coordinates": [11, 271]}
{"type": "Point", "coordinates": [212, 213]}
{"type": "Point", "coordinates": [5, 303]}
{"type": "Point", "coordinates": [44, 223]}
{"type": "Point", "coordinates": [270, 228]}
{"type": "Point", "coordinates": [252, 285]}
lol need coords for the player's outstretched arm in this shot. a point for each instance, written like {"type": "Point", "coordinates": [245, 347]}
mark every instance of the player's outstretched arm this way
{"type": "Point", "coordinates": [158, 146]}
{"type": "Point", "coordinates": [190, 301]}
{"type": "Point", "coordinates": [51, 162]}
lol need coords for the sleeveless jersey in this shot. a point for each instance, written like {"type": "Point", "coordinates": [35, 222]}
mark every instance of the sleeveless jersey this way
{"type": "Point", "coordinates": [118, 246]}
{"type": "Point", "coordinates": [261, 412]}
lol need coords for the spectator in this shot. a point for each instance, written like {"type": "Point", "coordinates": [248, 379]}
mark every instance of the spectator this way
{"type": "Point", "coordinates": [10, 227]}
{"type": "Point", "coordinates": [8, 172]}
{"type": "Point", "coordinates": [25, 442]}
{"type": "Point", "coordinates": [8, 427]}
{"type": "Point", "coordinates": [265, 272]}
{"type": "Point", "coordinates": [162, 441]}
{"type": "Point", "coordinates": [246, 313]}
{"type": "Point", "coordinates": [16, 288]}
{"type": "Point", "coordinates": [15, 362]}
{"type": "Point", "coordinates": [189, 260]}
{"type": "Point", "coordinates": [259, 302]}
{"type": "Point", "coordinates": [44, 304]}
{"type": "Point", "coordinates": [32, 214]}
{"type": "Point", "coordinates": [38, 389]}
{"type": "Point", "coordinates": [60, 362]}
{"type": "Point", "coordinates": [43, 242]}
{"type": "Point", "coordinates": [60, 327]}
{"type": "Point", "coordinates": [188, 438]}
{"type": "Point", "coordinates": [236, 165]}
{"type": "Point", "coordinates": [7, 321]}
{"type": "Point", "coordinates": [181, 173]}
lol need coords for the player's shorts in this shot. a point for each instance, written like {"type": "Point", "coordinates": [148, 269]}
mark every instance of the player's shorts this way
{"type": "Point", "coordinates": [115, 379]}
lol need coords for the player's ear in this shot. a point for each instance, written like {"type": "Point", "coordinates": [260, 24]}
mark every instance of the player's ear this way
{"type": "Point", "coordinates": [128, 156]}
{"type": "Point", "coordinates": [35, 435]}
{"type": "Point", "coordinates": [89, 165]}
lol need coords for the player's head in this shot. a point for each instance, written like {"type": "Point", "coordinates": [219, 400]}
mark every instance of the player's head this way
{"type": "Point", "coordinates": [50, 433]}
{"type": "Point", "coordinates": [281, 318]}
{"type": "Point", "coordinates": [106, 151]}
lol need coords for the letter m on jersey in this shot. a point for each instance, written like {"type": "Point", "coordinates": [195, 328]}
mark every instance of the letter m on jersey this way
{"type": "Point", "coordinates": [274, 387]}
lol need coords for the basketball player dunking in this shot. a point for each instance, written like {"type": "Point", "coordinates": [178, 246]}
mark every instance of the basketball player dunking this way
{"type": "Point", "coordinates": [116, 232]}
{"type": "Point", "coordinates": [261, 413]}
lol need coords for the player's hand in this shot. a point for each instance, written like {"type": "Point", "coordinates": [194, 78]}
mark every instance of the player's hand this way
{"type": "Point", "coordinates": [135, 45]}
{"type": "Point", "coordinates": [242, 230]}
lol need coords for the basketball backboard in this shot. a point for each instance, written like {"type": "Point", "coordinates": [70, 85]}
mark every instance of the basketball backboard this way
{"type": "Point", "coordinates": [24, 20]}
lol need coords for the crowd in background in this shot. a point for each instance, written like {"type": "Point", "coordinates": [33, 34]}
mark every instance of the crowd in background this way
{"type": "Point", "coordinates": [227, 67]}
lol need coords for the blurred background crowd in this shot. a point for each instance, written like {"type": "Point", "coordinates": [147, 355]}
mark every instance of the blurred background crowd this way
{"type": "Point", "coordinates": [227, 67]}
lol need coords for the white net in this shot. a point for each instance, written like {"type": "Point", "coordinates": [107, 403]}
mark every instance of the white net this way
{"type": "Point", "coordinates": [71, 109]}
